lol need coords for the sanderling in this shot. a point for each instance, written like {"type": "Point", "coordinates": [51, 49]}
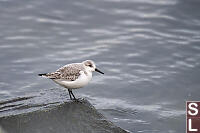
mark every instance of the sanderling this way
{"type": "Point", "coordinates": [73, 76]}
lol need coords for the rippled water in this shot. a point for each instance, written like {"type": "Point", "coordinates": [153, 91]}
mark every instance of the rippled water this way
{"type": "Point", "coordinates": [148, 49]}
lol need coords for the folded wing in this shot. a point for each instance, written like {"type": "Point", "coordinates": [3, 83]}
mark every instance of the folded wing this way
{"type": "Point", "coordinates": [69, 72]}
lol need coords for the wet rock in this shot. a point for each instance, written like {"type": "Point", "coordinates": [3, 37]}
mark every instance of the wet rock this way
{"type": "Point", "coordinates": [66, 117]}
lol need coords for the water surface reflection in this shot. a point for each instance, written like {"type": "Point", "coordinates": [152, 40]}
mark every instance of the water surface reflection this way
{"type": "Point", "coordinates": [148, 49]}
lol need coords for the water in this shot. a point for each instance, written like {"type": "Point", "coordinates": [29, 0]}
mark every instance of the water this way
{"type": "Point", "coordinates": [148, 49]}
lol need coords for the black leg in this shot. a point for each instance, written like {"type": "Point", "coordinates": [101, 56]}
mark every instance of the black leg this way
{"type": "Point", "coordinates": [73, 95]}
{"type": "Point", "coordinates": [70, 94]}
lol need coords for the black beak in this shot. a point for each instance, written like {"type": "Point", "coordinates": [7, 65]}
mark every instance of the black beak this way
{"type": "Point", "coordinates": [97, 70]}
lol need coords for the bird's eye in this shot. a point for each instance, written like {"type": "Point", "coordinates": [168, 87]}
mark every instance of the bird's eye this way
{"type": "Point", "coordinates": [90, 65]}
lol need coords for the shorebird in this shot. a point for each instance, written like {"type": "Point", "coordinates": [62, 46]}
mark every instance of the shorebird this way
{"type": "Point", "coordinates": [73, 76]}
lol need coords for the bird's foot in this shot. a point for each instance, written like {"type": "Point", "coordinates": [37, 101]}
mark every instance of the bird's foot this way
{"type": "Point", "coordinates": [78, 100]}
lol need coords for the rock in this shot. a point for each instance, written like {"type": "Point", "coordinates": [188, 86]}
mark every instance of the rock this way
{"type": "Point", "coordinates": [64, 117]}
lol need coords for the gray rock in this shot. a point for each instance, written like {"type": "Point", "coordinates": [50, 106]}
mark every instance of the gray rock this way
{"type": "Point", "coordinates": [64, 117]}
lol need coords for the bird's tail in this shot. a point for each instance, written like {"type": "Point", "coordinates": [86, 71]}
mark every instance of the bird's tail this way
{"type": "Point", "coordinates": [42, 74]}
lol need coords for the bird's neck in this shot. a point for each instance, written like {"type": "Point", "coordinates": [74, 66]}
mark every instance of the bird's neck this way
{"type": "Point", "coordinates": [88, 73]}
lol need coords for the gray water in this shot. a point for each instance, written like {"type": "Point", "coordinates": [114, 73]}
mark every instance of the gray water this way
{"type": "Point", "coordinates": [148, 49]}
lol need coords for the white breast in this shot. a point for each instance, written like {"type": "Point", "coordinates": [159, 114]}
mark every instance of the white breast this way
{"type": "Point", "coordinates": [82, 80]}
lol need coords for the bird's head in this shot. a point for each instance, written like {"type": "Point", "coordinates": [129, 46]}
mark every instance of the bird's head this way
{"type": "Point", "coordinates": [90, 66]}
